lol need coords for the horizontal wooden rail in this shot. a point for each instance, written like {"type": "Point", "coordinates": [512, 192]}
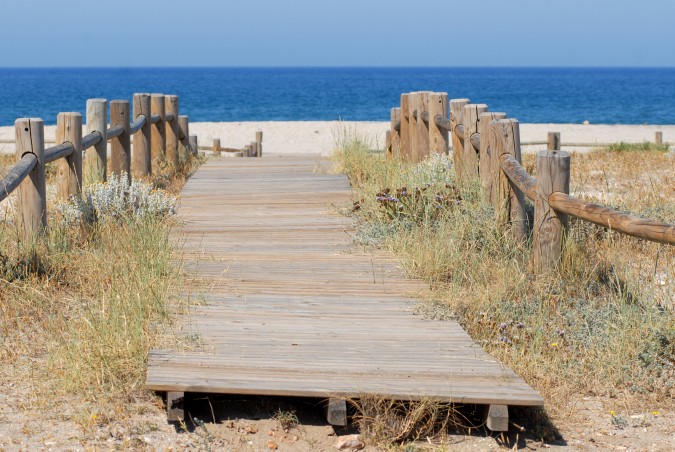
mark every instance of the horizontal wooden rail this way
{"type": "Point", "coordinates": [154, 119]}
{"type": "Point", "coordinates": [59, 151]}
{"type": "Point", "coordinates": [613, 219]}
{"type": "Point", "coordinates": [91, 139]}
{"type": "Point", "coordinates": [169, 116]}
{"type": "Point", "coordinates": [114, 132]}
{"type": "Point", "coordinates": [443, 123]}
{"type": "Point", "coordinates": [16, 175]}
{"type": "Point", "coordinates": [425, 116]}
{"type": "Point", "coordinates": [137, 124]}
{"type": "Point", "coordinates": [517, 174]}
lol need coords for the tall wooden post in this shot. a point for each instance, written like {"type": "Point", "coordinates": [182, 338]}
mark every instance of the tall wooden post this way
{"type": "Point", "coordinates": [32, 201]}
{"type": "Point", "coordinates": [194, 146]}
{"type": "Point", "coordinates": [438, 137]}
{"type": "Point", "coordinates": [404, 131]}
{"type": "Point", "coordinates": [172, 130]}
{"type": "Point", "coordinates": [553, 141]}
{"type": "Point", "coordinates": [422, 139]}
{"type": "Point", "coordinates": [120, 146]}
{"type": "Point", "coordinates": [158, 140]}
{"type": "Point", "coordinates": [184, 132]}
{"type": "Point", "coordinates": [142, 153]}
{"type": "Point", "coordinates": [485, 159]}
{"type": "Point", "coordinates": [394, 144]}
{"type": "Point", "coordinates": [216, 146]}
{"type": "Point", "coordinates": [414, 107]}
{"type": "Point", "coordinates": [509, 201]}
{"type": "Point", "coordinates": [658, 138]}
{"type": "Point", "coordinates": [94, 165]}
{"type": "Point", "coordinates": [471, 120]}
{"type": "Point", "coordinates": [457, 134]}
{"type": "Point", "coordinates": [553, 175]}
{"type": "Point", "coordinates": [69, 169]}
{"type": "Point", "coordinates": [258, 140]}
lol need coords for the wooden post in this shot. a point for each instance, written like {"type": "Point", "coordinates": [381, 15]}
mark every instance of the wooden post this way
{"type": "Point", "coordinates": [485, 159]}
{"type": "Point", "coordinates": [498, 418]}
{"type": "Point", "coordinates": [32, 193]}
{"type": "Point", "coordinates": [404, 132]}
{"type": "Point", "coordinates": [658, 138]}
{"type": "Point", "coordinates": [422, 139]}
{"type": "Point", "coordinates": [184, 131]}
{"type": "Point", "coordinates": [553, 175]}
{"type": "Point", "coordinates": [120, 147]}
{"type": "Point", "coordinates": [413, 106]}
{"type": "Point", "coordinates": [554, 141]}
{"type": "Point", "coordinates": [95, 158]}
{"type": "Point", "coordinates": [394, 142]}
{"type": "Point", "coordinates": [388, 150]}
{"type": "Point", "coordinates": [172, 130]}
{"type": "Point", "coordinates": [471, 120]}
{"type": "Point", "coordinates": [258, 140]}
{"type": "Point", "coordinates": [438, 138]}
{"type": "Point", "coordinates": [216, 146]}
{"type": "Point", "coordinates": [194, 147]}
{"type": "Point", "coordinates": [141, 165]}
{"type": "Point", "coordinates": [509, 201]}
{"type": "Point", "coordinates": [456, 112]}
{"type": "Point", "coordinates": [158, 140]}
{"type": "Point", "coordinates": [69, 169]}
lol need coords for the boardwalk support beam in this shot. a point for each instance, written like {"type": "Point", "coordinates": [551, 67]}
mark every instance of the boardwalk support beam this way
{"type": "Point", "coordinates": [175, 410]}
{"type": "Point", "coordinates": [498, 418]}
{"type": "Point", "coordinates": [336, 411]}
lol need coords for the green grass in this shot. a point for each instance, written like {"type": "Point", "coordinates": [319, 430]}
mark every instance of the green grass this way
{"type": "Point", "coordinates": [601, 324]}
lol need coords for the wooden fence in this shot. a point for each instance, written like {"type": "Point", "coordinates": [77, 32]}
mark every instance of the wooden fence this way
{"type": "Point", "coordinates": [486, 147]}
{"type": "Point", "coordinates": [160, 136]}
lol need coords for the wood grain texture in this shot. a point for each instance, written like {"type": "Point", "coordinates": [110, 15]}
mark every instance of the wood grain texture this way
{"type": "Point", "coordinates": [120, 146]}
{"type": "Point", "coordinates": [414, 102]}
{"type": "Point", "coordinates": [194, 145]}
{"type": "Point", "coordinates": [438, 137]}
{"type": "Point", "coordinates": [404, 129]}
{"type": "Point", "coordinates": [456, 115]}
{"type": "Point", "coordinates": [171, 129]}
{"type": "Point", "coordinates": [553, 175]}
{"type": "Point", "coordinates": [69, 169]}
{"type": "Point", "coordinates": [258, 141]}
{"type": "Point", "coordinates": [422, 127]}
{"type": "Point", "coordinates": [292, 306]}
{"type": "Point", "coordinates": [215, 146]}
{"type": "Point", "coordinates": [184, 150]}
{"type": "Point", "coordinates": [95, 160]}
{"type": "Point", "coordinates": [553, 141]}
{"type": "Point", "coordinates": [394, 142]}
{"type": "Point", "coordinates": [158, 129]}
{"type": "Point", "coordinates": [141, 157]}
{"type": "Point", "coordinates": [484, 158]}
{"type": "Point", "coordinates": [471, 121]}
{"type": "Point", "coordinates": [32, 193]}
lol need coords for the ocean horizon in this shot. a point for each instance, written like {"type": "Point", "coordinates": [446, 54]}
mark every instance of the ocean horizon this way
{"type": "Point", "coordinates": [603, 95]}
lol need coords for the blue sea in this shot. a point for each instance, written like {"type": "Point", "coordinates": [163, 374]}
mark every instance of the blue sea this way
{"type": "Point", "coordinates": [557, 95]}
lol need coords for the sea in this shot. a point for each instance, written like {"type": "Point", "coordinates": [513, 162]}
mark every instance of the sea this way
{"type": "Point", "coordinates": [533, 95]}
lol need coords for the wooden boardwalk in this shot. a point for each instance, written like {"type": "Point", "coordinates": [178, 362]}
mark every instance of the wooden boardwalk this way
{"type": "Point", "coordinates": [294, 307]}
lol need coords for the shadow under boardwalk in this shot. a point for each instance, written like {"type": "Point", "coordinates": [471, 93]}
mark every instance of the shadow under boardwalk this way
{"type": "Point", "coordinates": [293, 307]}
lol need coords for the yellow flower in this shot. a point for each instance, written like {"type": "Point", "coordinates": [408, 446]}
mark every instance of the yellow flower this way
{"type": "Point", "coordinates": [612, 412]}
{"type": "Point", "coordinates": [93, 417]}
{"type": "Point", "coordinates": [655, 413]}
{"type": "Point", "coordinates": [554, 344]}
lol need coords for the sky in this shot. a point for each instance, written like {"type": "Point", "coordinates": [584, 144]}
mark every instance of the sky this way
{"type": "Point", "coordinates": [167, 33]}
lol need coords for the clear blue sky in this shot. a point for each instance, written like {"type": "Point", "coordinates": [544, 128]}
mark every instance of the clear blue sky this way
{"type": "Point", "coordinates": [337, 33]}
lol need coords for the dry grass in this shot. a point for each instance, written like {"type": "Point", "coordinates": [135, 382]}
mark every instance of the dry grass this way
{"type": "Point", "coordinates": [602, 324]}
{"type": "Point", "coordinates": [82, 307]}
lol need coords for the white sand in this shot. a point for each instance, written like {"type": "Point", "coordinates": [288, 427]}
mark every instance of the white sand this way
{"type": "Point", "coordinates": [320, 136]}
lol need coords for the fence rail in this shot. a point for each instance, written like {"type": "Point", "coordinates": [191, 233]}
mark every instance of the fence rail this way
{"type": "Point", "coordinates": [486, 146]}
{"type": "Point", "coordinates": [160, 135]}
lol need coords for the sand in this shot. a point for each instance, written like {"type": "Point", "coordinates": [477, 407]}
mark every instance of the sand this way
{"type": "Point", "coordinates": [289, 137]}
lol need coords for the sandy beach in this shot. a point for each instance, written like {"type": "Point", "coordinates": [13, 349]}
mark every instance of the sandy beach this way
{"type": "Point", "coordinates": [292, 137]}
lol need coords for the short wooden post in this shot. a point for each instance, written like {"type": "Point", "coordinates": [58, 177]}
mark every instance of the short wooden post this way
{"type": "Point", "coordinates": [438, 137]}
{"type": "Point", "coordinates": [194, 147]}
{"type": "Point", "coordinates": [422, 140]}
{"type": "Point", "coordinates": [553, 141]}
{"type": "Point", "coordinates": [658, 138]}
{"type": "Point", "coordinates": [471, 120]}
{"type": "Point", "coordinates": [258, 140]}
{"type": "Point", "coordinates": [216, 146]}
{"type": "Point", "coordinates": [457, 134]}
{"type": "Point", "coordinates": [509, 201]}
{"type": "Point", "coordinates": [184, 133]}
{"type": "Point", "coordinates": [394, 141]}
{"type": "Point", "coordinates": [32, 201]}
{"type": "Point", "coordinates": [404, 131]}
{"type": "Point", "coordinates": [388, 150]}
{"type": "Point", "coordinates": [158, 140]}
{"type": "Point", "coordinates": [553, 175]}
{"type": "Point", "coordinates": [120, 147]}
{"type": "Point", "coordinates": [141, 157]}
{"type": "Point", "coordinates": [172, 130]}
{"type": "Point", "coordinates": [498, 418]}
{"type": "Point", "coordinates": [485, 160]}
{"type": "Point", "coordinates": [69, 169]}
{"type": "Point", "coordinates": [94, 164]}
{"type": "Point", "coordinates": [336, 411]}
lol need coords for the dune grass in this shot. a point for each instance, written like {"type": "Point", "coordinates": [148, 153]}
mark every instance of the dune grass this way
{"type": "Point", "coordinates": [82, 306]}
{"type": "Point", "coordinates": [602, 324]}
